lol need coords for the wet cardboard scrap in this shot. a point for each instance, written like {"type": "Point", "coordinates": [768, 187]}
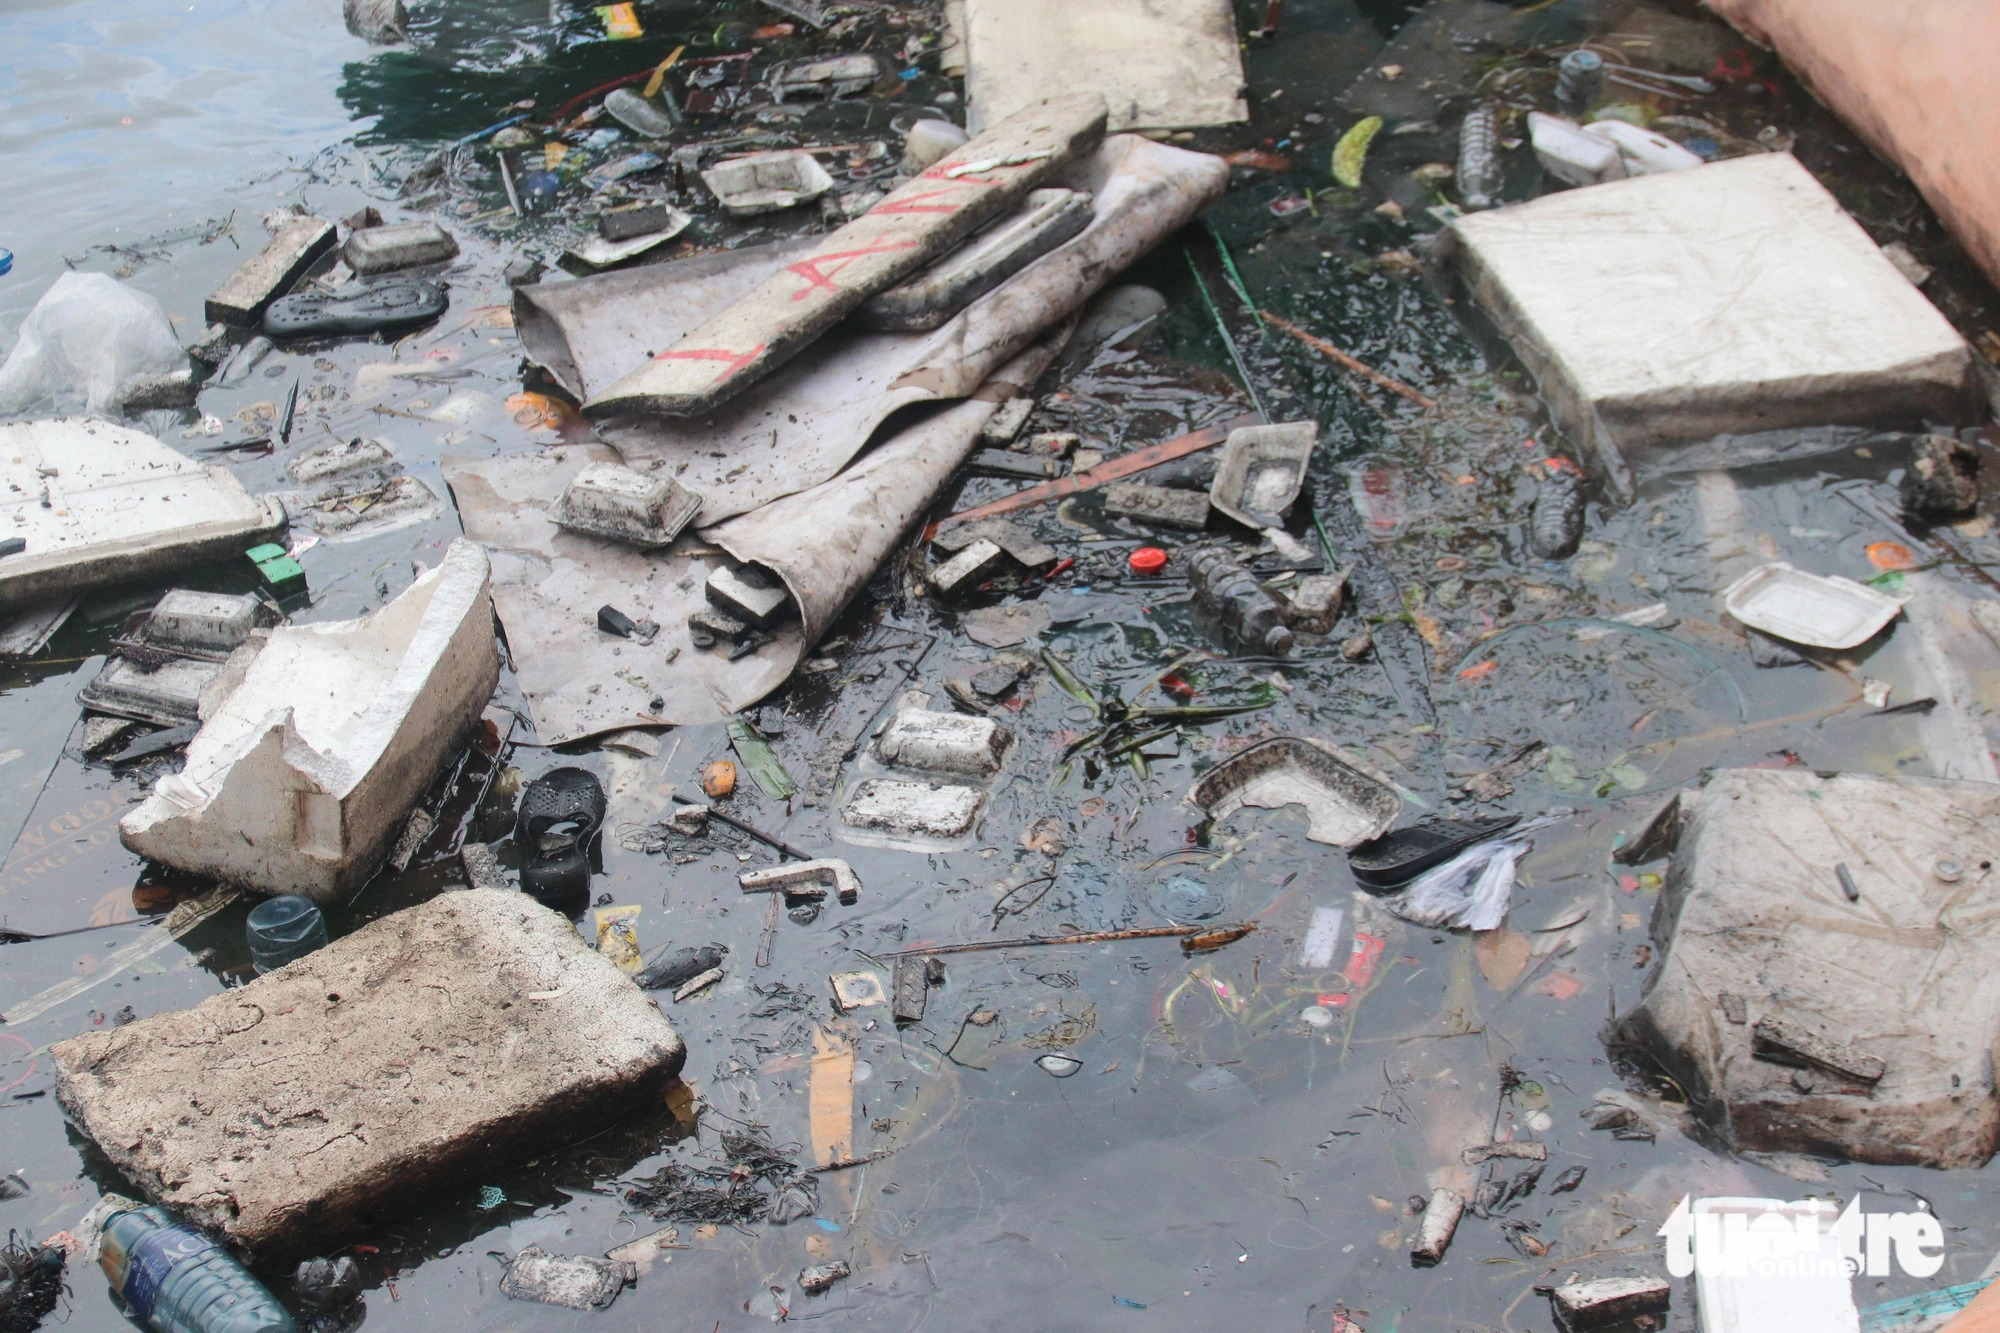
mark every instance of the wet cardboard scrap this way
{"type": "Point", "coordinates": [446, 1039]}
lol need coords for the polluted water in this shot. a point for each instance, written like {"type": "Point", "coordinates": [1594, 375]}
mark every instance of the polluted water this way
{"type": "Point", "coordinates": [1045, 1037]}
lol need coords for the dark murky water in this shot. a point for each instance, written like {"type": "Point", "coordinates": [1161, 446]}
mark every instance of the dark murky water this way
{"type": "Point", "coordinates": [1217, 1159]}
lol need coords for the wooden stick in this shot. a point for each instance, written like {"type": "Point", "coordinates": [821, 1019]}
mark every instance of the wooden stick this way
{"type": "Point", "coordinates": [1199, 937]}
{"type": "Point", "coordinates": [1111, 470]}
{"type": "Point", "coordinates": [1367, 372]}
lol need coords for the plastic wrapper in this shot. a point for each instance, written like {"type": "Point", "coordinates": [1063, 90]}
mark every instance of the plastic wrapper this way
{"type": "Point", "coordinates": [84, 343]}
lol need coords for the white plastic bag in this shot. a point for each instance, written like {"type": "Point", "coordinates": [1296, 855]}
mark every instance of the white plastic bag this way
{"type": "Point", "coordinates": [84, 343]}
{"type": "Point", "coordinates": [1470, 890]}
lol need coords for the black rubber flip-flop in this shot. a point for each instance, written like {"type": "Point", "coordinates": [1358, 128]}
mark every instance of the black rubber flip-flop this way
{"type": "Point", "coordinates": [1394, 859]}
{"type": "Point", "coordinates": [388, 307]}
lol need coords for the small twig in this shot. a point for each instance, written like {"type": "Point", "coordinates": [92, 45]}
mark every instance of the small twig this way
{"type": "Point", "coordinates": [768, 839]}
{"type": "Point", "coordinates": [1367, 372]}
{"type": "Point", "coordinates": [1223, 935]}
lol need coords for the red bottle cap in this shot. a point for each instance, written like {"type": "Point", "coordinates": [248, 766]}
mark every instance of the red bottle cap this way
{"type": "Point", "coordinates": [1148, 560]}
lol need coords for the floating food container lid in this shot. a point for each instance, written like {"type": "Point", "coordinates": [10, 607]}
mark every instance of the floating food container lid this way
{"type": "Point", "coordinates": [1818, 611]}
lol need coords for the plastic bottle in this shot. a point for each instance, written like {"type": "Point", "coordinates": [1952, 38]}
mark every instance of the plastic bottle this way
{"type": "Point", "coordinates": [1231, 592]}
{"type": "Point", "coordinates": [283, 928]}
{"type": "Point", "coordinates": [1479, 177]}
{"type": "Point", "coordinates": [1579, 78]}
{"type": "Point", "coordinates": [180, 1281]}
{"type": "Point", "coordinates": [1555, 523]}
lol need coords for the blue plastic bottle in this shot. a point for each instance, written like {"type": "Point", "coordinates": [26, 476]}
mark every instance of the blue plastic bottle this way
{"type": "Point", "coordinates": [180, 1281]}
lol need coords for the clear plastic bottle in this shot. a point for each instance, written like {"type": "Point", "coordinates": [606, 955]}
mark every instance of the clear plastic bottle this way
{"type": "Point", "coordinates": [1479, 170]}
{"type": "Point", "coordinates": [1232, 593]}
{"type": "Point", "coordinates": [179, 1281]}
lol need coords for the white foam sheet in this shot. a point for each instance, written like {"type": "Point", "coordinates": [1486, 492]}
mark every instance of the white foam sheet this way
{"type": "Point", "coordinates": [1732, 298]}
{"type": "Point", "coordinates": [1161, 64]}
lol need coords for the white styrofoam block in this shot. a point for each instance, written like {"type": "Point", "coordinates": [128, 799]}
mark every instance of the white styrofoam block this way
{"type": "Point", "coordinates": [1673, 308]}
{"type": "Point", "coordinates": [1570, 155]}
{"type": "Point", "coordinates": [1645, 153]}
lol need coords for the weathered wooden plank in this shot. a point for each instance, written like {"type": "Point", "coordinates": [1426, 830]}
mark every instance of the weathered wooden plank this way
{"type": "Point", "coordinates": [915, 224]}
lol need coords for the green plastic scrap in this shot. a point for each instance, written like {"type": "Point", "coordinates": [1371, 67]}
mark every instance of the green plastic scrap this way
{"type": "Point", "coordinates": [1351, 153]}
{"type": "Point", "coordinates": [277, 567]}
{"type": "Point", "coordinates": [760, 760]}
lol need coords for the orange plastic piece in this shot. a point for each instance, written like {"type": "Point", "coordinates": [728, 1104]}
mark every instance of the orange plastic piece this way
{"type": "Point", "coordinates": [1891, 555]}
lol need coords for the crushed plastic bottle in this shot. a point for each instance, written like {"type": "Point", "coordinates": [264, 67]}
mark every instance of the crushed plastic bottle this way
{"type": "Point", "coordinates": [179, 1281]}
{"type": "Point", "coordinates": [1555, 523]}
{"type": "Point", "coordinates": [1479, 177]}
{"type": "Point", "coordinates": [1232, 593]}
{"type": "Point", "coordinates": [1579, 78]}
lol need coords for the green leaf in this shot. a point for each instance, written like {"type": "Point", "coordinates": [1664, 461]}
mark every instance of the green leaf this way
{"type": "Point", "coordinates": [1352, 151]}
{"type": "Point", "coordinates": [760, 760]}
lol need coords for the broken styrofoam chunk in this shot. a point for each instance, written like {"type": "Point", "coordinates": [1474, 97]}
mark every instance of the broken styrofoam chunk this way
{"type": "Point", "coordinates": [203, 623]}
{"type": "Point", "coordinates": [1016, 541]}
{"type": "Point", "coordinates": [1580, 1307]}
{"type": "Point", "coordinates": [1313, 604]}
{"type": "Point", "coordinates": [1828, 1044]}
{"type": "Point", "coordinates": [826, 76]}
{"type": "Point", "coordinates": [603, 251]}
{"type": "Point", "coordinates": [644, 509]}
{"type": "Point", "coordinates": [929, 140]}
{"type": "Point", "coordinates": [767, 183]}
{"type": "Point", "coordinates": [1260, 472]}
{"type": "Point", "coordinates": [805, 879]}
{"type": "Point", "coordinates": [269, 273]}
{"type": "Point", "coordinates": [481, 866]}
{"type": "Point", "coordinates": [403, 245]}
{"type": "Point", "coordinates": [1158, 504]}
{"type": "Point", "coordinates": [1006, 423]}
{"type": "Point", "coordinates": [913, 809]}
{"type": "Point", "coordinates": [337, 459]}
{"type": "Point", "coordinates": [98, 503]}
{"type": "Point", "coordinates": [1046, 219]}
{"type": "Point", "coordinates": [1570, 155]}
{"type": "Point", "coordinates": [1345, 804]}
{"type": "Point", "coordinates": [1436, 1228]}
{"type": "Point", "coordinates": [300, 780]}
{"type": "Point", "coordinates": [169, 693]}
{"type": "Point", "coordinates": [748, 593]}
{"type": "Point", "coordinates": [575, 1282]}
{"type": "Point", "coordinates": [167, 389]}
{"type": "Point", "coordinates": [1667, 310]}
{"type": "Point", "coordinates": [1643, 152]}
{"type": "Point", "coordinates": [967, 568]}
{"type": "Point", "coordinates": [857, 990]}
{"type": "Point", "coordinates": [343, 514]}
{"type": "Point", "coordinates": [449, 1040]}
{"type": "Point", "coordinates": [820, 1277]}
{"type": "Point", "coordinates": [1797, 1284]}
{"type": "Point", "coordinates": [1819, 611]}
{"type": "Point", "coordinates": [968, 747]}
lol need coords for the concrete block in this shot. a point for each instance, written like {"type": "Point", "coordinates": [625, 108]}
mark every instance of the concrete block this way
{"type": "Point", "coordinates": [912, 809]}
{"type": "Point", "coordinates": [97, 503]}
{"type": "Point", "coordinates": [1016, 541]}
{"type": "Point", "coordinates": [302, 777]}
{"type": "Point", "coordinates": [1834, 1039]}
{"type": "Point", "coordinates": [269, 273]}
{"type": "Point", "coordinates": [955, 743]}
{"type": "Point", "coordinates": [403, 245]}
{"type": "Point", "coordinates": [441, 1043]}
{"type": "Point", "coordinates": [967, 568]}
{"type": "Point", "coordinates": [1669, 309]}
{"type": "Point", "coordinates": [1157, 504]}
{"type": "Point", "coordinates": [805, 879]}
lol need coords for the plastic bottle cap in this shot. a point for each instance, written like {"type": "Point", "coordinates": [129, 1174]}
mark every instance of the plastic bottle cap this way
{"type": "Point", "coordinates": [1148, 560]}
